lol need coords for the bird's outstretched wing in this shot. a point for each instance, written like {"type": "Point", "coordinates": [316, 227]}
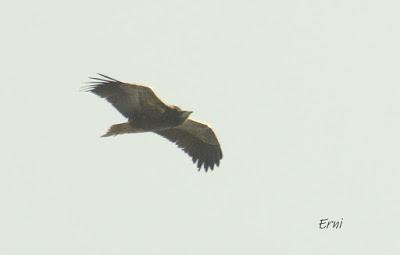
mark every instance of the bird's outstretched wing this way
{"type": "Point", "coordinates": [198, 140]}
{"type": "Point", "coordinates": [129, 99]}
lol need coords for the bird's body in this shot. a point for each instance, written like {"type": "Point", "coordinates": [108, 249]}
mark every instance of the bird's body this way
{"type": "Point", "coordinates": [158, 120]}
{"type": "Point", "coordinates": [147, 113]}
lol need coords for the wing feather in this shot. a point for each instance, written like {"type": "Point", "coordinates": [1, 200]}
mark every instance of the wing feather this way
{"type": "Point", "coordinates": [198, 141]}
{"type": "Point", "coordinates": [129, 99]}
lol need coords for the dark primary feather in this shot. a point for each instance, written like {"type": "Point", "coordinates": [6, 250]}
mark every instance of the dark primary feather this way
{"type": "Point", "coordinates": [198, 140]}
{"type": "Point", "coordinates": [129, 99]}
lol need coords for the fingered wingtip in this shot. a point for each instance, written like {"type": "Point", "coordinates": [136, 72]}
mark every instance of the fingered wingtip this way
{"type": "Point", "coordinates": [102, 78]}
{"type": "Point", "coordinates": [87, 88]}
{"type": "Point", "coordinates": [107, 77]}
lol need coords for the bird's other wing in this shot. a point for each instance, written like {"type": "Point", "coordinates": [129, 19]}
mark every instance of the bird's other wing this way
{"type": "Point", "coordinates": [198, 140]}
{"type": "Point", "coordinates": [128, 99]}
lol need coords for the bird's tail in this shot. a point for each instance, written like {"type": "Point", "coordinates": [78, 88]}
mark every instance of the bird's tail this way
{"type": "Point", "coordinates": [122, 128]}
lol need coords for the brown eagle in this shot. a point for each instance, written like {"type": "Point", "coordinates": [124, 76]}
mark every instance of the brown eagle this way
{"type": "Point", "coordinates": [147, 113]}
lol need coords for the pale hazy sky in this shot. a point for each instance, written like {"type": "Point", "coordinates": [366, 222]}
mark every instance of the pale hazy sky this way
{"type": "Point", "coordinates": [303, 95]}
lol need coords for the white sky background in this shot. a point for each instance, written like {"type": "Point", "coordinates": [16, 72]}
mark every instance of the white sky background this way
{"type": "Point", "coordinates": [303, 95]}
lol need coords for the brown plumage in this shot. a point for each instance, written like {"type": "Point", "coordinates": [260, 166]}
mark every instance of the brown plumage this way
{"type": "Point", "coordinates": [147, 113]}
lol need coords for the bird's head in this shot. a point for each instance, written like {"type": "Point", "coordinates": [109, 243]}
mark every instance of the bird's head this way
{"type": "Point", "coordinates": [178, 115]}
{"type": "Point", "coordinates": [184, 115]}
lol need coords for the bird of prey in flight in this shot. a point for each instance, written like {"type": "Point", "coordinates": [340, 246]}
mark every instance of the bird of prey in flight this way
{"type": "Point", "coordinates": [147, 113]}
